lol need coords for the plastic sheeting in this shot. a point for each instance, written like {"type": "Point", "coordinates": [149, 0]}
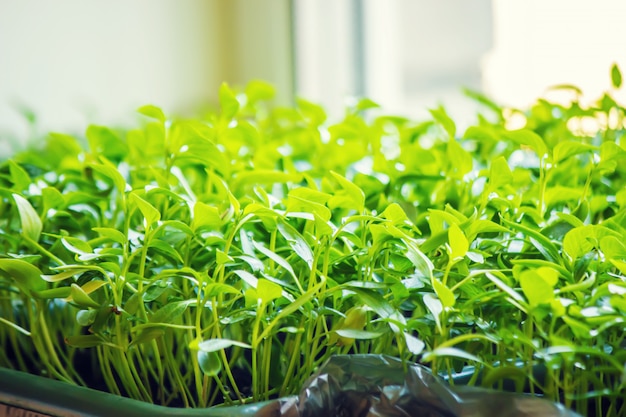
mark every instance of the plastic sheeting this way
{"type": "Point", "coordinates": [381, 386]}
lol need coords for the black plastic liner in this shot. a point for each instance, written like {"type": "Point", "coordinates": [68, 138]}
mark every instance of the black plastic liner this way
{"type": "Point", "coordinates": [346, 386]}
{"type": "Point", "coordinates": [381, 386]}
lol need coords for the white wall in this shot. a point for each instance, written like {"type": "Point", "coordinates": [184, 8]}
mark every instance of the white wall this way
{"type": "Point", "coordinates": [79, 61]}
{"type": "Point", "coordinates": [74, 61]}
{"type": "Point", "coordinates": [539, 43]}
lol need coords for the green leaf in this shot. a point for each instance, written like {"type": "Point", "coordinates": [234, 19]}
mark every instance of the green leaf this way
{"type": "Point", "coordinates": [60, 292]}
{"type": "Point", "coordinates": [296, 242]}
{"type": "Point", "coordinates": [152, 112]}
{"type": "Point", "coordinates": [52, 199]}
{"type": "Point", "coordinates": [536, 288]}
{"type": "Point", "coordinates": [582, 240]}
{"type": "Point", "coordinates": [613, 247]}
{"type": "Point", "coordinates": [450, 352]}
{"type": "Point", "coordinates": [149, 212]}
{"type": "Point", "coordinates": [26, 276]}
{"type": "Point", "coordinates": [86, 317]}
{"type": "Point", "coordinates": [112, 234]}
{"type": "Point", "coordinates": [166, 249]}
{"type": "Point", "coordinates": [110, 172]}
{"type": "Point", "coordinates": [458, 243]}
{"type": "Point", "coordinates": [541, 242]}
{"type": "Point", "coordinates": [308, 200]}
{"type": "Point", "coordinates": [415, 345]}
{"type": "Point", "coordinates": [528, 138]}
{"type": "Point", "coordinates": [443, 293]}
{"type": "Point", "coordinates": [358, 334]}
{"type": "Point", "coordinates": [441, 116]}
{"type": "Point", "coordinates": [348, 196]}
{"type": "Point", "coordinates": [62, 276]}
{"type": "Point", "coordinates": [395, 214]}
{"type": "Point", "coordinates": [210, 363]}
{"type": "Point", "coordinates": [80, 297]}
{"type": "Point", "coordinates": [276, 258]}
{"type": "Point", "coordinates": [565, 149]}
{"type": "Point", "coordinates": [500, 174]}
{"type": "Point", "coordinates": [171, 311]}
{"type": "Point", "coordinates": [314, 113]}
{"type": "Point", "coordinates": [435, 306]}
{"type": "Point", "coordinates": [616, 76]}
{"type": "Point", "coordinates": [146, 335]}
{"type": "Point", "coordinates": [461, 162]}
{"type": "Point", "coordinates": [76, 246]}
{"type": "Point", "coordinates": [84, 341]}
{"type": "Point", "coordinates": [205, 216]}
{"type": "Point", "coordinates": [228, 102]}
{"type": "Point", "coordinates": [422, 264]}
{"type": "Point", "coordinates": [262, 177]}
{"type": "Point", "coordinates": [103, 141]}
{"type": "Point", "coordinates": [217, 344]}
{"type": "Point", "coordinates": [257, 90]}
{"type": "Point", "coordinates": [268, 291]}
{"type": "Point", "coordinates": [19, 177]}
{"type": "Point", "coordinates": [31, 223]}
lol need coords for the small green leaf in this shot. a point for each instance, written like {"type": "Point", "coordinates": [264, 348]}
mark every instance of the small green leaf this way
{"type": "Point", "coordinates": [86, 317]}
{"type": "Point", "coordinates": [358, 334]}
{"type": "Point", "coordinates": [62, 276]}
{"type": "Point", "coordinates": [347, 196]}
{"type": "Point", "coordinates": [616, 76]}
{"type": "Point", "coordinates": [276, 258]}
{"type": "Point", "coordinates": [222, 258]}
{"type": "Point", "coordinates": [434, 305]}
{"type": "Point", "coordinates": [228, 102]}
{"type": "Point", "coordinates": [25, 275]}
{"type": "Point", "coordinates": [19, 177]}
{"type": "Point", "coordinates": [149, 212]}
{"type": "Point", "coordinates": [171, 311]}
{"type": "Point", "coordinates": [31, 223]}
{"type": "Point", "coordinates": [84, 341]}
{"type": "Point", "coordinates": [296, 242]}
{"type": "Point", "coordinates": [146, 335]}
{"type": "Point", "coordinates": [415, 345]}
{"type": "Point", "coordinates": [308, 200]}
{"type": "Point", "coordinates": [217, 344]}
{"type": "Point", "coordinates": [205, 216]}
{"type": "Point", "coordinates": [565, 149]}
{"type": "Point", "coordinates": [500, 174]}
{"type": "Point", "coordinates": [112, 234]}
{"type": "Point", "coordinates": [153, 112]}
{"type": "Point", "coordinates": [450, 352]}
{"type": "Point", "coordinates": [422, 264]}
{"type": "Point", "coordinates": [166, 249]}
{"type": "Point", "coordinates": [528, 138]}
{"type": "Point", "coordinates": [104, 141]}
{"type": "Point", "coordinates": [257, 90]}
{"type": "Point", "coordinates": [441, 116]}
{"type": "Point", "coordinates": [536, 288]}
{"type": "Point", "coordinates": [209, 362]}
{"type": "Point", "coordinates": [314, 113]}
{"type": "Point", "coordinates": [395, 214]}
{"type": "Point", "coordinates": [458, 243]}
{"type": "Point", "coordinates": [107, 170]}
{"type": "Point", "coordinates": [59, 292]}
{"type": "Point", "coordinates": [461, 162]}
{"type": "Point", "coordinates": [443, 293]}
{"type": "Point", "coordinates": [52, 199]}
{"type": "Point", "coordinates": [76, 246]}
{"type": "Point", "coordinates": [80, 297]}
{"type": "Point", "coordinates": [268, 291]}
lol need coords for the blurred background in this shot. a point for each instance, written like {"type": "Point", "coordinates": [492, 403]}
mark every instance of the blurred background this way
{"type": "Point", "coordinates": [68, 63]}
